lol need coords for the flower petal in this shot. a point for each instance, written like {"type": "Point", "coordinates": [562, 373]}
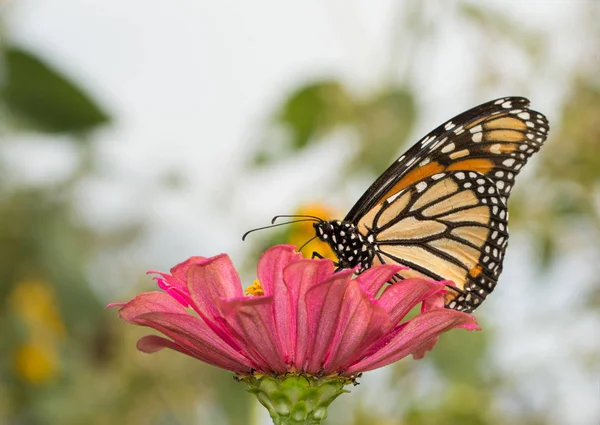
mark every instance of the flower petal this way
{"type": "Point", "coordinates": [398, 299]}
{"type": "Point", "coordinates": [190, 332]}
{"type": "Point", "coordinates": [251, 318]}
{"type": "Point", "coordinates": [210, 280]}
{"type": "Point", "coordinates": [324, 303]}
{"type": "Point", "coordinates": [271, 265]}
{"type": "Point", "coordinates": [195, 336]}
{"type": "Point", "coordinates": [149, 302]}
{"type": "Point", "coordinates": [153, 343]}
{"type": "Point", "coordinates": [373, 279]}
{"type": "Point", "coordinates": [361, 323]}
{"type": "Point", "coordinates": [413, 335]}
{"type": "Point", "coordinates": [299, 278]}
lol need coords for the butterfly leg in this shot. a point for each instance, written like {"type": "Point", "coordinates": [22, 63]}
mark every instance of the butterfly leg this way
{"type": "Point", "coordinates": [315, 254]}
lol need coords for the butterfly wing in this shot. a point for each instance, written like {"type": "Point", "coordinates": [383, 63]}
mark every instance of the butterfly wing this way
{"type": "Point", "coordinates": [440, 209]}
{"type": "Point", "coordinates": [452, 225]}
{"type": "Point", "coordinates": [495, 139]}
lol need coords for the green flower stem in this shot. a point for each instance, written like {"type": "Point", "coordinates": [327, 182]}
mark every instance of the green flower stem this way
{"type": "Point", "coordinates": [296, 399]}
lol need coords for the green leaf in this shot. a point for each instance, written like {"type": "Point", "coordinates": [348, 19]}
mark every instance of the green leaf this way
{"type": "Point", "coordinates": [385, 123]}
{"type": "Point", "coordinates": [44, 98]}
{"type": "Point", "coordinates": [315, 109]}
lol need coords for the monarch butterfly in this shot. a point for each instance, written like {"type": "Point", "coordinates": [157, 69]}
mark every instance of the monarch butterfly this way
{"type": "Point", "coordinates": [441, 208]}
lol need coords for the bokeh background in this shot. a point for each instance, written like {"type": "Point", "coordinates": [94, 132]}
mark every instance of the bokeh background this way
{"type": "Point", "coordinates": [135, 134]}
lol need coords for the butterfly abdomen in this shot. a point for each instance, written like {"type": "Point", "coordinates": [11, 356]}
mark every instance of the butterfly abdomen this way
{"type": "Point", "coordinates": [350, 246]}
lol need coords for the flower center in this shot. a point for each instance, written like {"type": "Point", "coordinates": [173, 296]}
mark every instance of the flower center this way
{"type": "Point", "coordinates": [255, 289]}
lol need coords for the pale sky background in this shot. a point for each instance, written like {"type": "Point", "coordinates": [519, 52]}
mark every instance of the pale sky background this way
{"type": "Point", "coordinates": [191, 84]}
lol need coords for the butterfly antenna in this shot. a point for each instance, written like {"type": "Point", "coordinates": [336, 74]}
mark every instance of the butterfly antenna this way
{"type": "Point", "coordinates": [306, 243]}
{"type": "Point", "coordinates": [275, 225]}
{"type": "Point", "coordinates": [302, 216]}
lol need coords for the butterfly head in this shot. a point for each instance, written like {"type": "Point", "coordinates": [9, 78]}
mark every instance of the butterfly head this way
{"type": "Point", "coordinates": [346, 241]}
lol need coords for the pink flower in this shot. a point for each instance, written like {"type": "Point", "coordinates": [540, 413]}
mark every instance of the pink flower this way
{"type": "Point", "coordinates": [309, 319]}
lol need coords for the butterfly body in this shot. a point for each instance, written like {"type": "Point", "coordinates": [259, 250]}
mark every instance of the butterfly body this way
{"type": "Point", "coordinates": [441, 208]}
{"type": "Point", "coordinates": [350, 246]}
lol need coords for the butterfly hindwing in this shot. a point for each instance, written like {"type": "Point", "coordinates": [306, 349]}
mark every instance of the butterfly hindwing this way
{"type": "Point", "coordinates": [450, 226]}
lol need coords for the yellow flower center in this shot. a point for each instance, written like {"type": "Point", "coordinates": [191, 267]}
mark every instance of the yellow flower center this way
{"type": "Point", "coordinates": [255, 289]}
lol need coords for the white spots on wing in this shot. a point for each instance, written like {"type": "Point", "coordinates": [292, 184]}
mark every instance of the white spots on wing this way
{"type": "Point", "coordinates": [438, 176]}
{"type": "Point", "coordinates": [491, 190]}
{"type": "Point", "coordinates": [502, 214]}
{"type": "Point", "coordinates": [438, 143]}
{"type": "Point", "coordinates": [421, 186]}
{"type": "Point", "coordinates": [529, 124]}
{"type": "Point", "coordinates": [459, 130]}
{"type": "Point", "coordinates": [459, 154]}
{"type": "Point", "coordinates": [507, 105]}
{"type": "Point", "coordinates": [500, 184]}
{"type": "Point", "coordinates": [427, 140]}
{"type": "Point", "coordinates": [495, 209]}
{"type": "Point", "coordinates": [448, 148]}
{"type": "Point", "coordinates": [524, 115]}
{"type": "Point", "coordinates": [499, 101]}
{"type": "Point", "coordinates": [472, 174]}
{"type": "Point", "coordinates": [476, 129]}
{"type": "Point", "coordinates": [499, 174]}
{"type": "Point", "coordinates": [425, 162]}
{"type": "Point", "coordinates": [449, 125]}
{"type": "Point", "coordinates": [411, 161]}
{"type": "Point", "coordinates": [523, 147]}
{"type": "Point", "coordinates": [496, 148]}
{"type": "Point", "coordinates": [530, 136]}
{"type": "Point", "coordinates": [508, 162]}
{"type": "Point", "coordinates": [477, 137]}
{"type": "Point", "coordinates": [401, 158]}
{"type": "Point", "coordinates": [467, 185]}
{"type": "Point", "coordinates": [481, 189]}
{"type": "Point", "coordinates": [460, 175]}
{"type": "Point", "coordinates": [480, 181]}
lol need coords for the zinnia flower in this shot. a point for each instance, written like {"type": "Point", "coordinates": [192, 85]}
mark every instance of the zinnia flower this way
{"type": "Point", "coordinates": [304, 331]}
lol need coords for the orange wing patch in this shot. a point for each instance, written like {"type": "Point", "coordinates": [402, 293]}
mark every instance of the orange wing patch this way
{"type": "Point", "coordinates": [414, 176]}
{"type": "Point", "coordinates": [475, 271]}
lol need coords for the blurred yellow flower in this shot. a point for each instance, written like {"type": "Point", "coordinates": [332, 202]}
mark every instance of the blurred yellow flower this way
{"type": "Point", "coordinates": [34, 303]}
{"type": "Point", "coordinates": [35, 362]}
{"type": "Point", "coordinates": [300, 233]}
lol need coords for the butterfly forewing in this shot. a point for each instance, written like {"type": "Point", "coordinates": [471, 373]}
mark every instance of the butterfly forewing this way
{"type": "Point", "coordinates": [495, 139]}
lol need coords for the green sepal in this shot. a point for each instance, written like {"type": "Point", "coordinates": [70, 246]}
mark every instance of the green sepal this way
{"type": "Point", "coordinates": [296, 399]}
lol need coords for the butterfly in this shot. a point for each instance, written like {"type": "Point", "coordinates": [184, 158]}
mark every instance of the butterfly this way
{"type": "Point", "coordinates": [441, 208]}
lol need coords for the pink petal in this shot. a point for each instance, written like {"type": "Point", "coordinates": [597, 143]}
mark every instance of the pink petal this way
{"type": "Point", "coordinates": [361, 323]}
{"type": "Point", "coordinates": [272, 263]}
{"type": "Point", "coordinates": [210, 280]}
{"type": "Point", "coordinates": [190, 332]}
{"type": "Point", "coordinates": [324, 304]}
{"type": "Point", "coordinates": [413, 335]}
{"type": "Point", "coordinates": [194, 335]}
{"type": "Point", "coordinates": [300, 277]}
{"type": "Point", "coordinates": [373, 279]}
{"type": "Point", "coordinates": [153, 343]}
{"type": "Point", "coordinates": [436, 300]}
{"type": "Point", "coordinates": [180, 271]}
{"type": "Point", "coordinates": [251, 319]}
{"type": "Point", "coordinates": [398, 299]}
{"type": "Point", "coordinates": [149, 302]}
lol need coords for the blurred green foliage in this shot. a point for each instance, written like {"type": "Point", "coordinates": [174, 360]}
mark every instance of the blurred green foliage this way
{"type": "Point", "coordinates": [44, 98]}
